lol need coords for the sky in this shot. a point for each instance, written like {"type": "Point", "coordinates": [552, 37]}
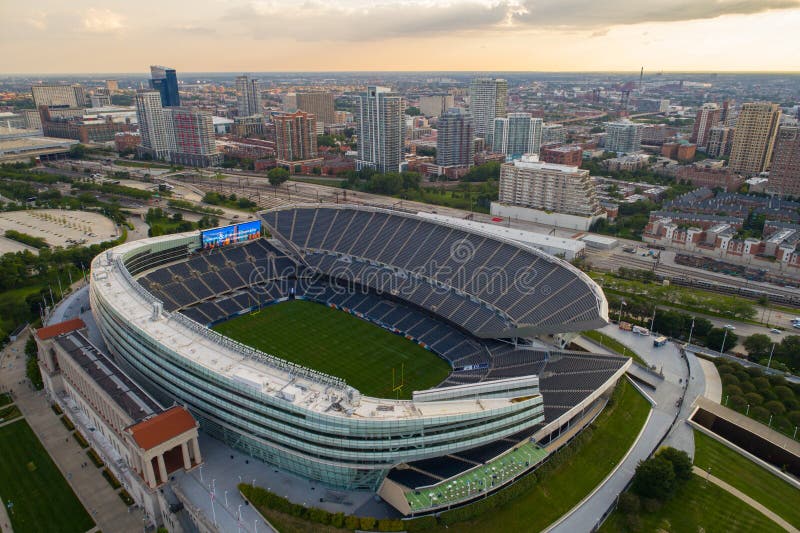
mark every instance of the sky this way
{"type": "Point", "coordinates": [87, 36]}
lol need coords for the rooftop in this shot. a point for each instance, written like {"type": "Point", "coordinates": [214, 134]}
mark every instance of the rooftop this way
{"type": "Point", "coordinates": [60, 328]}
{"type": "Point", "coordinates": [161, 428]}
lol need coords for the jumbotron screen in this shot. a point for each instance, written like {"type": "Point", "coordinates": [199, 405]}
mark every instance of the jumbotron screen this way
{"type": "Point", "coordinates": [213, 238]}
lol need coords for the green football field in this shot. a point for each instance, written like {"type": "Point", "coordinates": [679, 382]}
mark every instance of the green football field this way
{"type": "Point", "coordinates": [339, 344]}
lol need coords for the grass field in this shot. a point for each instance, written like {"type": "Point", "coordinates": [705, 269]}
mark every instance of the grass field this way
{"type": "Point", "coordinates": [29, 479]}
{"type": "Point", "coordinates": [698, 506]}
{"type": "Point", "coordinates": [339, 344]}
{"type": "Point", "coordinates": [614, 345]}
{"type": "Point", "coordinates": [583, 465]}
{"type": "Point", "coordinates": [750, 478]}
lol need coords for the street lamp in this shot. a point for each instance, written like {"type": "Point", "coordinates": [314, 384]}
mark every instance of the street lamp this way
{"type": "Point", "coordinates": [770, 355]}
{"type": "Point", "coordinates": [725, 336]}
{"type": "Point", "coordinates": [619, 315]}
{"type": "Point", "coordinates": [691, 330]}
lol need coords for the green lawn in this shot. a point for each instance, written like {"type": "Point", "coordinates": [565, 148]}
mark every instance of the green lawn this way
{"type": "Point", "coordinates": [750, 478]}
{"type": "Point", "coordinates": [574, 471]}
{"type": "Point", "coordinates": [614, 345]}
{"type": "Point", "coordinates": [339, 344]}
{"type": "Point", "coordinates": [698, 506]}
{"type": "Point", "coordinates": [42, 500]}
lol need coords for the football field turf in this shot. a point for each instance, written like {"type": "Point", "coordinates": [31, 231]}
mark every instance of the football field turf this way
{"type": "Point", "coordinates": [339, 344]}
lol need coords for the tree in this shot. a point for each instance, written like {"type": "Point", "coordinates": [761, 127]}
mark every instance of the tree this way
{"type": "Point", "coordinates": [681, 463]}
{"type": "Point", "coordinates": [654, 478]}
{"type": "Point", "coordinates": [413, 111]}
{"type": "Point", "coordinates": [77, 151]}
{"type": "Point", "coordinates": [717, 335]}
{"type": "Point", "coordinates": [277, 176]}
{"type": "Point", "coordinates": [757, 346]}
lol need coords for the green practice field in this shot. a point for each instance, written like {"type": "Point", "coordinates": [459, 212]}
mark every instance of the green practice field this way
{"type": "Point", "coordinates": [339, 344]}
{"type": "Point", "coordinates": [38, 494]}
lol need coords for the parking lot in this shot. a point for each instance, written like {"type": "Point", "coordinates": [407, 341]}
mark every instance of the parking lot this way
{"type": "Point", "coordinates": [57, 227]}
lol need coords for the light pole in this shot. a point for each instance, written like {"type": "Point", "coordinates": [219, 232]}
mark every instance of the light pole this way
{"type": "Point", "coordinates": [226, 498]}
{"type": "Point", "coordinates": [724, 336]}
{"type": "Point", "coordinates": [769, 362]}
{"type": "Point", "coordinates": [691, 330]}
{"type": "Point", "coordinates": [619, 315]}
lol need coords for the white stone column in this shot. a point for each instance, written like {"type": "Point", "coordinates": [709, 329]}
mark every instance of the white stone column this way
{"type": "Point", "coordinates": [187, 462]}
{"type": "Point", "coordinates": [149, 474]}
{"type": "Point", "coordinates": [162, 468]}
{"type": "Point", "coordinates": [196, 447]}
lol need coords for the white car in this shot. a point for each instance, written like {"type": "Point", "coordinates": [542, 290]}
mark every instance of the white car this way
{"type": "Point", "coordinates": [775, 331]}
{"type": "Point", "coordinates": [728, 326]}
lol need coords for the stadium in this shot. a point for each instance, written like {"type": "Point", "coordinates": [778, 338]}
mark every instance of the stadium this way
{"type": "Point", "coordinates": [263, 329]}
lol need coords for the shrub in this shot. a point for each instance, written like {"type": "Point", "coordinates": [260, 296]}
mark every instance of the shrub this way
{"type": "Point", "coordinates": [352, 522]}
{"type": "Point", "coordinates": [794, 417]}
{"type": "Point", "coordinates": [125, 497]}
{"type": "Point", "coordinates": [729, 379]}
{"type": "Point", "coordinates": [783, 392]}
{"type": "Point", "coordinates": [753, 398]}
{"type": "Point", "coordinates": [633, 522]}
{"type": "Point", "coordinates": [654, 478]}
{"type": "Point", "coordinates": [651, 505]}
{"type": "Point", "coordinates": [57, 410]}
{"type": "Point", "coordinates": [759, 412]}
{"type": "Point", "coordinates": [367, 523]}
{"type": "Point", "coordinates": [112, 480]}
{"type": "Point", "coordinates": [629, 503]}
{"type": "Point", "coordinates": [67, 423]}
{"type": "Point", "coordinates": [681, 463]}
{"type": "Point", "coordinates": [95, 458]}
{"type": "Point", "coordinates": [735, 390]}
{"type": "Point", "coordinates": [748, 387]}
{"type": "Point", "coordinates": [761, 383]}
{"type": "Point", "coordinates": [337, 520]}
{"type": "Point", "coordinates": [81, 440]}
{"type": "Point", "coordinates": [775, 407]}
{"type": "Point", "coordinates": [737, 402]}
{"type": "Point", "coordinates": [725, 369]}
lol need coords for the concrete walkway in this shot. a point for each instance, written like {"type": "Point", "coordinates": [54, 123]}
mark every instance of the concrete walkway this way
{"type": "Point", "coordinates": [100, 500]}
{"type": "Point", "coordinates": [746, 499]}
{"type": "Point", "coordinates": [713, 390]}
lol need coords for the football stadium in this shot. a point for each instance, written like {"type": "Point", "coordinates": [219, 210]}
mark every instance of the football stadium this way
{"type": "Point", "coordinates": [362, 347]}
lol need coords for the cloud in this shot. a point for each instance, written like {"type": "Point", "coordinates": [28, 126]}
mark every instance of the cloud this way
{"type": "Point", "coordinates": [316, 21]}
{"type": "Point", "coordinates": [102, 21]}
{"type": "Point", "coordinates": [592, 14]}
{"type": "Point", "coordinates": [37, 20]}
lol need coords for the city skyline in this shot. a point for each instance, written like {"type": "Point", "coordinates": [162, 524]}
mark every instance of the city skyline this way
{"type": "Point", "coordinates": [467, 35]}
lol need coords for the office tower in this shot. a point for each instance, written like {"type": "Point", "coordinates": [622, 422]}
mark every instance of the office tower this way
{"type": "Point", "coordinates": [784, 174]}
{"type": "Point", "coordinates": [553, 134]}
{"type": "Point", "coordinates": [754, 138]}
{"type": "Point", "coordinates": [623, 137]}
{"type": "Point", "coordinates": [720, 139]}
{"type": "Point", "coordinates": [194, 137]}
{"type": "Point", "coordinates": [58, 96]}
{"type": "Point", "coordinates": [517, 134]}
{"type": "Point", "coordinates": [112, 86]}
{"type": "Point", "coordinates": [318, 103]}
{"type": "Point", "coordinates": [248, 96]}
{"type": "Point", "coordinates": [100, 97]}
{"type": "Point", "coordinates": [707, 117]}
{"type": "Point", "coordinates": [380, 130]}
{"type": "Point", "coordinates": [155, 126]}
{"type": "Point", "coordinates": [295, 136]}
{"type": "Point", "coordinates": [435, 105]}
{"type": "Point", "coordinates": [165, 81]}
{"type": "Point", "coordinates": [454, 142]}
{"type": "Point", "coordinates": [545, 192]}
{"type": "Point", "coordinates": [487, 101]}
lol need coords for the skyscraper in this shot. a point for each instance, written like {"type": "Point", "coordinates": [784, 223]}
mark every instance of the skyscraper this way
{"type": "Point", "coordinates": [155, 126]}
{"type": "Point", "coordinates": [784, 174]}
{"type": "Point", "coordinates": [165, 81]}
{"type": "Point", "coordinates": [487, 101]}
{"type": "Point", "coordinates": [719, 141]}
{"type": "Point", "coordinates": [707, 117]}
{"type": "Point", "coordinates": [194, 137]}
{"type": "Point", "coordinates": [295, 136]}
{"type": "Point", "coordinates": [623, 137]}
{"type": "Point", "coordinates": [517, 134]}
{"type": "Point", "coordinates": [318, 103]}
{"type": "Point", "coordinates": [454, 142]}
{"type": "Point", "coordinates": [249, 96]}
{"type": "Point", "coordinates": [435, 105]}
{"type": "Point", "coordinates": [380, 130]}
{"type": "Point", "coordinates": [754, 137]}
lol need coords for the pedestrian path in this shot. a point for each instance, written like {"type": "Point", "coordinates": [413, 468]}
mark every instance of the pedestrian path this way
{"type": "Point", "coordinates": [746, 499]}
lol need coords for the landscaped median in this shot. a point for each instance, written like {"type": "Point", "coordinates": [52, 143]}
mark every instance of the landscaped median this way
{"type": "Point", "coordinates": [531, 504]}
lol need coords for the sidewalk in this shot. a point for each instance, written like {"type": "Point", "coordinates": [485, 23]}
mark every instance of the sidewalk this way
{"type": "Point", "coordinates": [746, 499]}
{"type": "Point", "coordinates": [100, 500]}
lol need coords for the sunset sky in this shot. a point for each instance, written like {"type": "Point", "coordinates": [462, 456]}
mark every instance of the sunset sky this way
{"type": "Point", "coordinates": [54, 36]}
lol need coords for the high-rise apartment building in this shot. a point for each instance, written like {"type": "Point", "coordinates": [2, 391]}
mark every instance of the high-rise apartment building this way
{"type": "Point", "coordinates": [435, 105]}
{"type": "Point", "coordinates": [487, 101]}
{"type": "Point", "coordinates": [517, 134]}
{"type": "Point", "coordinates": [248, 96]}
{"type": "Point", "coordinates": [318, 103]}
{"type": "Point", "coordinates": [546, 192]}
{"type": "Point", "coordinates": [784, 174]}
{"type": "Point", "coordinates": [754, 138]}
{"type": "Point", "coordinates": [454, 141]}
{"type": "Point", "coordinates": [707, 117]}
{"type": "Point", "coordinates": [719, 143]}
{"type": "Point", "coordinates": [295, 136]}
{"type": "Point", "coordinates": [165, 81]}
{"type": "Point", "coordinates": [380, 130]}
{"type": "Point", "coordinates": [623, 137]}
{"type": "Point", "coordinates": [553, 134]}
{"type": "Point", "coordinates": [58, 96]}
{"type": "Point", "coordinates": [194, 137]}
{"type": "Point", "coordinates": [155, 126]}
